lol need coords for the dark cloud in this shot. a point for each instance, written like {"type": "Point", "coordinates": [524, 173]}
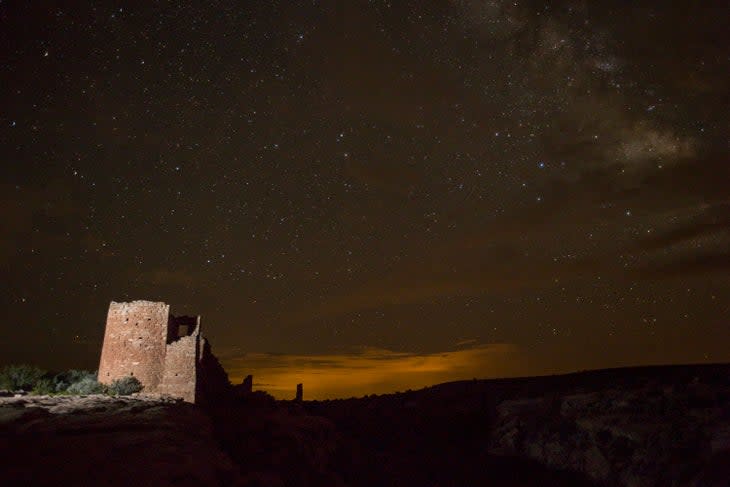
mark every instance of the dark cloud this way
{"type": "Point", "coordinates": [686, 265]}
{"type": "Point", "coordinates": [711, 221]}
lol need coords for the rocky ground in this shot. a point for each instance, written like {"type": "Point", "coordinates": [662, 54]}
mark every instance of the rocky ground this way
{"type": "Point", "coordinates": [633, 427]}
{"type": "Point", "coordinates": [644, 427]}
{"type": "Point", "coordinates": [108, 441]}
{"type": "Point", "coordinates": [649, 436]}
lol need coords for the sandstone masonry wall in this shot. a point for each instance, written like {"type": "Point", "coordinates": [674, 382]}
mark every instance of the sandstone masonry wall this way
{"type": "Point", "coordinates": [135, 342]}
{"type": "Point", "coordinates": [167, 354]}
{"type": "Point", "coordinates": [212, 378]}
{"type": "Point", "coordinates": [181, 368]}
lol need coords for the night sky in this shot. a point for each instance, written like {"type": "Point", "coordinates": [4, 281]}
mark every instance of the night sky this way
{"type": "Point", "coordinates": [370, 196]}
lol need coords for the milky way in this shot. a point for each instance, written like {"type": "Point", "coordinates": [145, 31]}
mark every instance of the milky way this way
{"type": "Point", "coordinates": [333, 178]}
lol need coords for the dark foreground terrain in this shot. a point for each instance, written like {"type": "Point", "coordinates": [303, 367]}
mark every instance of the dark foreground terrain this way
{"type": "Point", "coordinates": [651, 426]}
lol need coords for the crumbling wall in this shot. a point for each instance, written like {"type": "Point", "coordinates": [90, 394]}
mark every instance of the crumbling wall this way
{"type": "Point", "coordinates": [167, 354]}
{"type": "Point", "coordinates": [135, 342]}
{"type": "Point", "coordinates": [212, 378]}
{"type": "Point", "coordinates": [181, 372]}
{"type": "Point", "coordinates": [180, 326]}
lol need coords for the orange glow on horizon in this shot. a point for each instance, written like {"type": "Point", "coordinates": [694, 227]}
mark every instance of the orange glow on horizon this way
{"type": "Point", "coordinates": [371, 371]}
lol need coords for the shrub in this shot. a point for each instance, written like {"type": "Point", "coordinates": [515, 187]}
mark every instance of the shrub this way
{"type": "Point", "coordinates": [87, 385]}
{"type": "Point", "coordinates": [125, 386]}
{"type": "Point", "coordinates": [44, 386]}
{"type": "Point", "coordinates": [16, 377]}
{"type": "Point", "coordinates": [64, 380]}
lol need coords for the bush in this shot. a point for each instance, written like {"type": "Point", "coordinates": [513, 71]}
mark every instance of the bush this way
{"type": "Point", "coordinates": [17, 377]}
{"type": "Point", "coordinates": [64, 380]}
{"type": "Point", "coordinates": [44, 387]}
{"type": "Point", "coordinates": [125, 386]}
{"type": "Point", "coordinates": [87, 385]}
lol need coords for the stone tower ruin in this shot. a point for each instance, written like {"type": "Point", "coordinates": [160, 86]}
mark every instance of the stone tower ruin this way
{"type": "Point", "coordinates": [166, 353]}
